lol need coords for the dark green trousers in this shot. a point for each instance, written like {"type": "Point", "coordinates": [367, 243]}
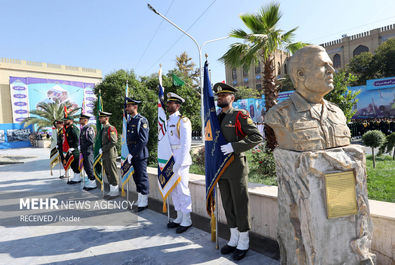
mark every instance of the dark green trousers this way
{"type": "Point", "coordinates": [233, 185]}
{"type": "Point", "coordinates": [111, 170]}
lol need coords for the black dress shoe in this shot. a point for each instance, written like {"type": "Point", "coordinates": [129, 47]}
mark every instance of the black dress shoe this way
{"type": "Point", "coordinates": [139, 209]}
{"type": "Point", "coordinates": [227, 249]}
{"type": "Point", "coordinates": [73, 182]}
{"type": "Point", "coordinates": [171, 224]}
{"type": "Point", "coordinates": [61, 176]}
{"type": "Point", "coordinates": [182, 229]}
{"type": "Point", "coordinates": [239, 254]}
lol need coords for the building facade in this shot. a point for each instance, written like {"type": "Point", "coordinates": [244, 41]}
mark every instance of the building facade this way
{"type": "Point", "coordinates": [341, 51]}
{"type": "Point", "coordinates": [27, 69]}
{"type": "Point", "coordinates": [237, 76]}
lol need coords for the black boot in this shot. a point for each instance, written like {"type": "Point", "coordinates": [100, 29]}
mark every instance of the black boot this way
{"type": "Point", "coordinates": [171, 224]}
{"type": "Point", "coordinates": [227, 249]}
{"type": "Point", "coordinates": [182, 229]}
{"type": "Point", "coordinates": [239, 254]}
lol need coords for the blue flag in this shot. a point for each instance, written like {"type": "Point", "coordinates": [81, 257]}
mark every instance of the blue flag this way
{"type": "Point", "coordinates": [216, 161]}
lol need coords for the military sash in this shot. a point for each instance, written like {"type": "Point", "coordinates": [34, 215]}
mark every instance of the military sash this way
{"type": "Point", "coordinates": [54, 156]}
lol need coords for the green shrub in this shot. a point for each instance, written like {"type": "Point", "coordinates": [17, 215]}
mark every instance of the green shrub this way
{"type": "Point", "coordinates": [265, 165]}
{"type": "Point", "coordinates": [373, 139]}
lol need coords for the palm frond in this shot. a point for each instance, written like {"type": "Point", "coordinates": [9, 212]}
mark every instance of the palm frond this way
{"type": "Point", "coordinates": [238, 33]}
{"type": "Point", "coordinates": [234, 55]}
{"type": "Point", "coordinates": [270, 15]}
{"type": "Point", "coordinates": [253, 23]}
{"type": "Point", "coordinates": [293, 47]}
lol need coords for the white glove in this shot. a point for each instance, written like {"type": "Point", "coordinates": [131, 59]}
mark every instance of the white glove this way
{"type": "Point", "coordinates": [71, 150]}
{"type": "Point", "coordinates": [129, 158]}
{"type": "Point", "coordinates": [176, 167]}
{"type": "Point", "coordinates": [100, 151]}
{"type": "Point", "coordinates": [227, 148]}
{"type": "Point", "coordinates": [79, 148]}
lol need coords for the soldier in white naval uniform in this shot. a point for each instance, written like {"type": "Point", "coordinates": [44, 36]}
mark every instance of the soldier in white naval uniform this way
{"type": "Point", "coordinates": [180, 136]}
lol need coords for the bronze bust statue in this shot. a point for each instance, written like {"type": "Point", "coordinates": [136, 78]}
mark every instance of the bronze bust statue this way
{"type": "Point", "coordinates": [306, 121]}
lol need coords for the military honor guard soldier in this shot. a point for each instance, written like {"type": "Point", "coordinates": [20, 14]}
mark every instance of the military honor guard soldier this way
{"type": "Point", "coordinates": [242, 134]}
{"type": "Point", "coordinates": [72, 136]}
{"type": "Point", "coordinates": [180, 137]}
{"type": "Point", "coordinates": [87, 139]}
{"type": "Point", "coordinates": [137, 138]}
{"type": "Point", "coordinates": [59, 140]}
{"type": "Point", "coordinates": [109, 154]}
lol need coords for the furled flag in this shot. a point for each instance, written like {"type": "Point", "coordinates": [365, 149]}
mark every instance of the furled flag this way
{"type": "Point", "coordinates": [216, 161]}
{"type": "Point", "coordinates": [97, 164]}
{"type": "Point", "coordinates": [127, 169]}
{"type": "Point", "coordinates": [54, 157]}
{"type": "Point", "coordinates": [177, 81]}
{"type": "Point", "coordinates": [68, 156]}
{"type": "Point", "coordinates": [166, 178]}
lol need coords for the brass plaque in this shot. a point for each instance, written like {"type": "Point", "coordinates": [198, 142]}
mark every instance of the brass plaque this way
{"type": "Point", "coordinates": [341, 199]}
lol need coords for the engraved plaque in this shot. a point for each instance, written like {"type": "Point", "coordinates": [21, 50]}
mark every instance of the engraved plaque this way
{"type": "Point", "coordinates": [340, 194]}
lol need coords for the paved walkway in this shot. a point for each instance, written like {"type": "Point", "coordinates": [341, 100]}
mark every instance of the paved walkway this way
{"type": "Point", "coordinates": [142, 239]}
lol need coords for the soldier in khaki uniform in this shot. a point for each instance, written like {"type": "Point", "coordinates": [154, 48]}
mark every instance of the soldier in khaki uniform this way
{"type": "Point", "coordinates": [242, 134]}
{"type": "Point", "coordinates": [109, 154]}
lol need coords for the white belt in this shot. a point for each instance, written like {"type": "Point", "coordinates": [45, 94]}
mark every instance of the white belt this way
{"type": "Point", "coordinates": [175, 146]}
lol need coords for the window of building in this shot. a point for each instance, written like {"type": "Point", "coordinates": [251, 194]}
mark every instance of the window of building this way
{"type": "Point", "coordinates": [258, 77]}
{"type": "Point", "coordinates": [234, 82]}
{"type": "Point", "coordinates": [246, 80]}
{"type": "Point", "coordinates": [336, 61]}
{"type": "Point", "coordinates": [258, 86]}
{"type": "Point", "coordinates": [279, 68]}
{"type": "Point", "coordinates": [285, 69]}
{"type": "Point", "coordinates": [234, 74]}
{"type": "Point", "coordinates": [258, 68]}
{"type": "Point", "coordinates": [360, 49]}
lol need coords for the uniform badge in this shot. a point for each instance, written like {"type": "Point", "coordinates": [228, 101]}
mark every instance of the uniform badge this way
{"type": "Point", "coordinates": [249, 121]}
{"type": "Point", "coordinates": [145, 125]}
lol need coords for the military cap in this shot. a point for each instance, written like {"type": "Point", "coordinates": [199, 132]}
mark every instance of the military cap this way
{"type": "Point", "coordinates": [224, 88]}
{"type": "Point", "coordinates": [104, 114]}
{"type": "Point", "coordinates": [84, 116]}
{"type": "Point", "coordinates": [174, 97]}
{"type": "Point", "coordinates": [132, 101]}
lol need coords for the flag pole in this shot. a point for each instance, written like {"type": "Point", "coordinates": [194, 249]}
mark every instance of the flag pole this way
{"type": "Point", "coordinates": [168, 210]}
{"type": "Point", "coordinates": [102, 176]}
{"type": "Point", "coordinates": [216, 219]}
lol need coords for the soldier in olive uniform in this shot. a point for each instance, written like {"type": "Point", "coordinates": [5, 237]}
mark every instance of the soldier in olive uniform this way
{"type": "Point", "coordinates": [242, 134]}
{"type": "Point", "coordinates": [59, 141]}
{"type": "Point", "coordinates": [137, 139]}
{"type": "Point", "coordinates": [109, 154]}
{"type": "Point", "coordinates": [87, 139]}
{"type": "Point", "coordinates": [73, 138]}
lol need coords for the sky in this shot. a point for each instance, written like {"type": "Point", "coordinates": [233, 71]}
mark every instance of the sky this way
{"type": "Point", "coordinates": [125, 34]}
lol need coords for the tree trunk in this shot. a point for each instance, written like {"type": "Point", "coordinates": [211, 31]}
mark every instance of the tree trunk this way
{"type": "Point", "coordinates": [271, 91]}
{"type": "Point", "coordinates": [374, 160]}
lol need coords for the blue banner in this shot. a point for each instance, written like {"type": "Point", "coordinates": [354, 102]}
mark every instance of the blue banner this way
{"type": "Point", "coordinates": [216, 161]}
{"type": "Point", "coordinates": [14, 135]}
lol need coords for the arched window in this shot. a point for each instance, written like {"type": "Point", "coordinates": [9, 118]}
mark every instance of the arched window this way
{"type": "Point", "coordinates": [234, 74]}
{"type": "Point", "coordinates": [279, 68]}
{"type": "Point", "coordinates": [336, 61]}
{"type": "Point", "coordinates": [258, 68]}
{"type": "Point", "coordinates": [245, 72]}
{"type": "Point", "coordinates": [285, 69]}
{"type": "Point", "coordinates": [360, 49]}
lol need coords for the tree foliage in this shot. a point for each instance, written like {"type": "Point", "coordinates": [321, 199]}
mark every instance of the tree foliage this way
{"type": "Point", "coordinates": [246, 92]}
{"type": "Point", "coordinates": [343, 97]}
{"type": "Point", "coordinates": [47, 113]}
{"type": "Point", "coordinates": [373, 139]}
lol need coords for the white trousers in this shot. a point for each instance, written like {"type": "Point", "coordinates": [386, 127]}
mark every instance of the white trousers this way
{"type": "Point", "coordinates": [181, 194]}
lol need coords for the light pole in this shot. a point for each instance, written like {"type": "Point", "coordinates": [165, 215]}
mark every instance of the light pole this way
{"type": "Point", "coordinates": [200, 60]}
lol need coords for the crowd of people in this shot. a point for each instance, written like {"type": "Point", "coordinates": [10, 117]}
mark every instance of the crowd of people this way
{"type": "Point", "coordinates": [358, 126]}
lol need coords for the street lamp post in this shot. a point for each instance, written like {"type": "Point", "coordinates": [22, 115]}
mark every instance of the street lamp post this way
{"type": "Point", "coordinates": [200, 60]}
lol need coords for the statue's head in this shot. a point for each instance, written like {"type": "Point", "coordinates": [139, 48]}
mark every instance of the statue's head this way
{"type": "Point", "coordinates": [311, 71]}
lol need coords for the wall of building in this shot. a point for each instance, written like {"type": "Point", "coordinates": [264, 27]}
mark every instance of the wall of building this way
{"type": "Point", "coordinates": [347, 46]}
{"type": "Point", "coordinates": [22, 68]}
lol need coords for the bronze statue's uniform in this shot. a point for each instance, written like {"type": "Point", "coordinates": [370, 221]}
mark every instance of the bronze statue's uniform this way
{"type": "Point", "coordinates": [302, 126]}
{"type": "Point", "coordinates": [238, 129]}
{"type": "Point", "coordinates": [109, 156]}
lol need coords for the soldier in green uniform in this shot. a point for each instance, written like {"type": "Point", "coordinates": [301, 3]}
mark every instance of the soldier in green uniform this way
{"type": "Point", "coordinates": [73, 138]}
{"type": "Point", "coordinates": [242, 134]}
{"type": "Point", "coordinates": [109, 154]}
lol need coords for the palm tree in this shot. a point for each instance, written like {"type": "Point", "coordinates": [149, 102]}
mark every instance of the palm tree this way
{"type": "Point", "coordinates": [265, 38]}
{"type": "Point", "coordinates": [47, 113]}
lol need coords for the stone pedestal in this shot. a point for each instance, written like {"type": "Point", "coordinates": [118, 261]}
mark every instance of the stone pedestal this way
{"type": "Point", "coordinates": [305, 234]}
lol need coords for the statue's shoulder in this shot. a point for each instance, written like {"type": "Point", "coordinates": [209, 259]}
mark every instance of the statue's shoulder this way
{"type": "Point", "coordinates": [280, 107]}
{"type": "Point", "coordinates": [332, 106]}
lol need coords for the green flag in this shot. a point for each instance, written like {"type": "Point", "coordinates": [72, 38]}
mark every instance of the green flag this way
{"type": "Point", "coordinates": [97, 164]}
{"type": "Point", "coordinates": [177, 81]}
